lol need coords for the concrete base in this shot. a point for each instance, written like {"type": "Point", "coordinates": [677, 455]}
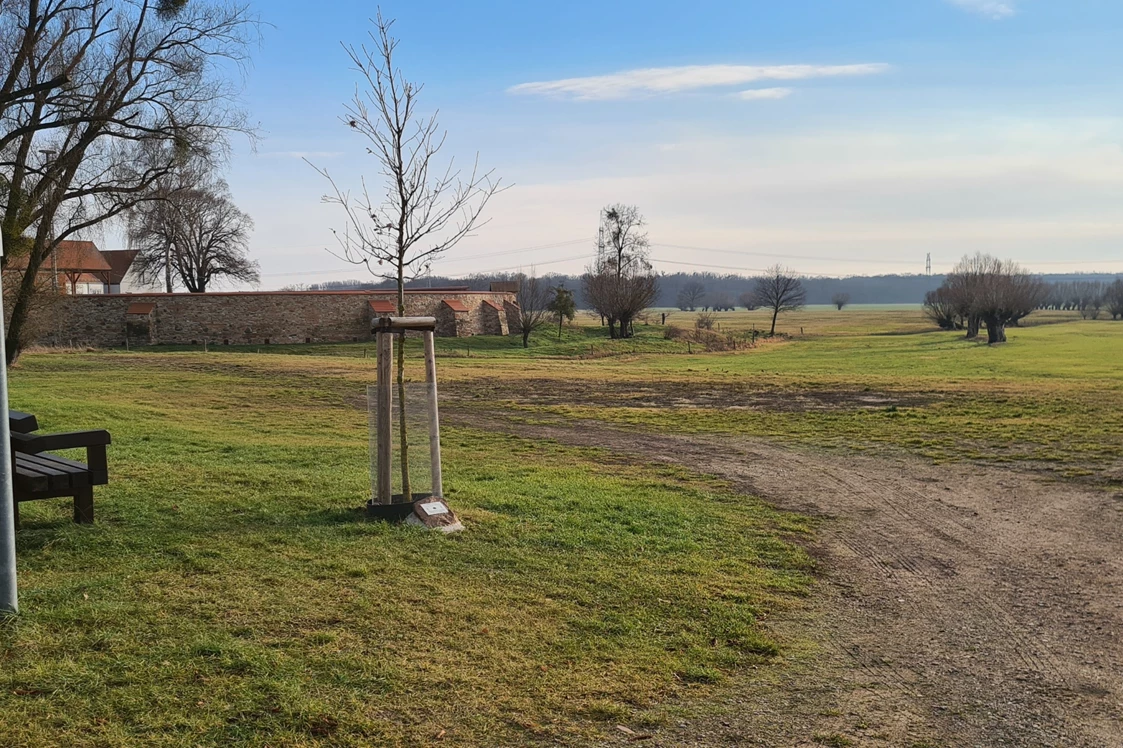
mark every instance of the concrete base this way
{"type": "Point", "coordinates": [424, 511]}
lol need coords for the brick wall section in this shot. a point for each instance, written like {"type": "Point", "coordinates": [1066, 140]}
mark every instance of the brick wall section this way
{"type": "Point", "coordinates": [256, 317]}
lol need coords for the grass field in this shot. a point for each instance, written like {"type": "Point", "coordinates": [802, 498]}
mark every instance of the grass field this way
{"type": "Point", "coordinates": [232, 593]}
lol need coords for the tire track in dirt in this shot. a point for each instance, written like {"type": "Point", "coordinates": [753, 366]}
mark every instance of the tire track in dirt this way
{"type": "Point", "coordinates": [962, 605]}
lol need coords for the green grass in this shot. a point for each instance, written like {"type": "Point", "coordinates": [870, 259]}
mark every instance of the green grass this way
{"type": "Point", "coordinates": [232, 593]}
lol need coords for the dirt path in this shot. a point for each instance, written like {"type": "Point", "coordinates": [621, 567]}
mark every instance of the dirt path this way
{"type": "Point", "coordinates": [962, 606]}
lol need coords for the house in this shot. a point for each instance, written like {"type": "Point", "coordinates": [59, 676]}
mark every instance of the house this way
{"type": "Point", "coordinates": [80, 268]}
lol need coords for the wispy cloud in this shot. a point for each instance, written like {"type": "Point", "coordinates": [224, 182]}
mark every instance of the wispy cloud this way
{"type": "Point", "coordinates": [994, 9]}
{"type": "Point", "coordinates": [757, 94]}
{"type": "Point", "coordinates": [654, 81]}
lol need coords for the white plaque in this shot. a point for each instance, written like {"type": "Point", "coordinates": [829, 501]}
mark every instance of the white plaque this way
{"type": "Point", "coordinates": [434, 508]}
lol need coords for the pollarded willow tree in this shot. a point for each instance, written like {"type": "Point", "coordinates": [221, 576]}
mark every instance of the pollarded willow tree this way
{"type": "Point", "coordinates": [420, 206]}
{"type": "Point", "coordinates": [984, 290]}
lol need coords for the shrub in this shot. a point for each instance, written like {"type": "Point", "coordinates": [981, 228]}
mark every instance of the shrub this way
{"type": "Point", "coordinates": [705, 321]}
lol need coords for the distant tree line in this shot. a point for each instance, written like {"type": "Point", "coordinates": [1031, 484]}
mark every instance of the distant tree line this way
{"type": "Point", "coordinates": [705, 290]}
{"type": "Point", "coordinates": [1089, 297]}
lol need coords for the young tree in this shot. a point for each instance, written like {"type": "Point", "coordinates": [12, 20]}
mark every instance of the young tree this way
{"type": "Point", "coordinates": [841, 300]}
{"type": "Point", "coordinates": [779, 290]}
{"type": "Point", "coordinates": [195, 233]}
{"type": "Point", "coordinates": [147, 90]}
{"type": "Point", "coordinates": [563, 306]}
{"type": "Point", "coordinates": [534, 305]}
{"type": "Point", "coordinates": [690, 295]}
{"type": "Point", "coordinates": [621, 282]}
{"type": "Point", "coordinates": [422, 209]}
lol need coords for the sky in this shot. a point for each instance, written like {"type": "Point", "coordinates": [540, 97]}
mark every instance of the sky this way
{"type": "Point", "coordinates": [837, 137]}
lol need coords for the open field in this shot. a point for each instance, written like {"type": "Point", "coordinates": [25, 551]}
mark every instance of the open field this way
{"type": "Point", "coordinates": [618, 567]}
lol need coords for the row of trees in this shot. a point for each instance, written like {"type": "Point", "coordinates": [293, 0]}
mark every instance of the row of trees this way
{"type": "Point", "coordinates": [102, 103]}
{"type": "Point", "coordinates": [693, 296]}
{"type": "Point", "coordinates": [1090, 298]}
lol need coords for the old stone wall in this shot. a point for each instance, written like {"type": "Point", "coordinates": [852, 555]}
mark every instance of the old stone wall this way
{"type": "Point", "coordinates": [261, 318]}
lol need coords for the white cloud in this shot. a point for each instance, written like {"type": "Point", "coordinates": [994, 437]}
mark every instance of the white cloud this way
{"type": "Point", "coordinates": [756, 94]}
{"type": "Point", "coordinates": [994, 9]}
{"type": "Point", "coordinates": [651, 81]}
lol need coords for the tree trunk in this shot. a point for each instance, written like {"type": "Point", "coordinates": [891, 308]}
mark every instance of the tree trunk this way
{"type": "Point", "coordinates": [526, 335]}
{"type": "Point", "coordinates": [559, 326]}
{"type": "Point", "coordinates": [168, 267]}
{"type": "Point", "coordinates": [403, 451]}
{"type": "Point", "coordinates": [775, 314]}
{"type": "Point", "coordinates": [611, 328]}
{"type": "Point", "coordinates": [996, 331]}
{"type": "Point", "coordinates": [973, 323]}
{"type": "Point", "coordinates": [20, 312]}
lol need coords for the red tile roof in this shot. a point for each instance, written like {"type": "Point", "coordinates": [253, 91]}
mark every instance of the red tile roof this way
{"type": "Point", "coordinates": [120, 260]}
{"type": "Point", "coordinates": [70, 257]}
{"type": "Point", "coordinates": [455, 305]}
{"type": "Point", "coordinates": [383, 307]}
{"type": "Point", "coordinates": [493, 305]}
{"type": "Point", "coordinates": [140, 307]}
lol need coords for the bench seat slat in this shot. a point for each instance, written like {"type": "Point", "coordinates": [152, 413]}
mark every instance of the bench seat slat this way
{"type": "Point", "coordinates": [28, 479]}
{"type": "Point", "coordinates": [75, 473]}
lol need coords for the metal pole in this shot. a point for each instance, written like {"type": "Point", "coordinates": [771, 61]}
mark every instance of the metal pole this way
{"type": "Point", "coordinates": [434, 416]}
{"type": "Point", "coordinates": [9, 595]}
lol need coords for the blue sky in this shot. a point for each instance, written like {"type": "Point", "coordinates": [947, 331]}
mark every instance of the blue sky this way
{"type": "Point", "coordinates": [836, 136]}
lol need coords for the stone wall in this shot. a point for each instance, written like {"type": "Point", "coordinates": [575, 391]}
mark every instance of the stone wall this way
{"type": "Point", "coordinates": [263, 318]}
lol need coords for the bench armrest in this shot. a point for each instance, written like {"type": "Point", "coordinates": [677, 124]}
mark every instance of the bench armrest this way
{"type": "Point", "coordinates": [36, 443]}
{"type": "Point", "coordinates": [21, 422]}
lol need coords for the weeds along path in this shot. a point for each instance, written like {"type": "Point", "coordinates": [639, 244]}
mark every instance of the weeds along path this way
{"type": "Point", "coordinates": [961, 605]}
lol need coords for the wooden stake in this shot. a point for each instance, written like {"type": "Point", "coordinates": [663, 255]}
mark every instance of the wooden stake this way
{"type": "Point", "coordinates": [385, 403]}
{"type": "Point", "coordinates": [434, 416]}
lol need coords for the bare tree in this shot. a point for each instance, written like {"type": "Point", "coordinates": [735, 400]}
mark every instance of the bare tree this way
{"type": "Point", "coordinates": [690, 295]}
{"type": "Point", "coordinates": [719, 301]}
{"type": "Point", "coordinates": [148, 88]}
{"type": "Point", "coordinates": [534, 296]}
{"type": "Point", "coordinates": [939, 307]}
{"type": "Point", "coordinates": [1114, 298]}
{"type": "Point", "coordinates": [780, 290]}
{"type": "Point", "coordinates": [421, 209]}
{"type": "Point", "coordinates": [621, 282]}
{"type": "Point", "coordinates": [984, 290]}
{"type": "Point", "coordinates": [749, 301]}
{"type": "Point", "coordinates": [840, 300]}
{"type": "Point", "coordinates": [196, 233]}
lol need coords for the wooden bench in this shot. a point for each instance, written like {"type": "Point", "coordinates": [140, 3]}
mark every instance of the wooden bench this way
{"type": "Point", "coordinates": [40, 475]}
